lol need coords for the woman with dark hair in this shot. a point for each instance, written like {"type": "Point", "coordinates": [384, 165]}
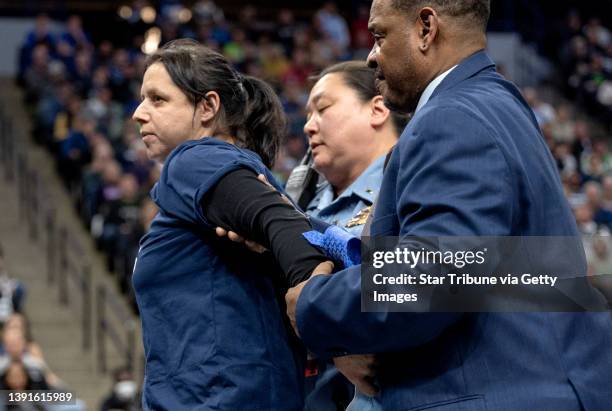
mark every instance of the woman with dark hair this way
{"type": "Point", "coordinates": [214, 331]}
{"type": "Point", "coordinates": [15, 378]}
{"type": "Point", "coordinates": [350, 132]}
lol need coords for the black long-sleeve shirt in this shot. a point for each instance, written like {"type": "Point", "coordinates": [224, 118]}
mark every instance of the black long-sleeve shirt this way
{"type": "Point", "coordinates": [242, 203]}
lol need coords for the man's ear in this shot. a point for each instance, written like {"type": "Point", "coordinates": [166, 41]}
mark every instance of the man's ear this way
{"type": "Point", "coordinates": [428, 25]}
{"type": "Point", "coordinates": [379, 112]}
{"type": "Point", "coordinates": [209, 107]}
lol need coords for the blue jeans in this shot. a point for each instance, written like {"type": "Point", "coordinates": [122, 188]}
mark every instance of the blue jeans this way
{"type": "Point", "coordinates": [362, 402]}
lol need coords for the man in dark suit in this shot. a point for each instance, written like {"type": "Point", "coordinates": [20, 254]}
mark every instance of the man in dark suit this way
{"type": "Point", "coordinates": [471, 162]}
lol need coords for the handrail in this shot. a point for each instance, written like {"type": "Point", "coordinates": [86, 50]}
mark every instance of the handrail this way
{"type": "Point", "coordinates": [7, 145]}
{"type": "Point", "coordinates": [108, 304]}
{"type": "Point", "coordinates": [33, 201]}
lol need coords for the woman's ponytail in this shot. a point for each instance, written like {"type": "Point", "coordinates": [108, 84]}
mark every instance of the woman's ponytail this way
{"type": "Point", "coordinates": [265, 122]}
{"type": "Point", "coordinates": [250, 110]}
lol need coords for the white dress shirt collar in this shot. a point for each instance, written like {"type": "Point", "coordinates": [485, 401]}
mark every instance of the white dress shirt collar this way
{"type": "Point", "coordinates": [429, 90]}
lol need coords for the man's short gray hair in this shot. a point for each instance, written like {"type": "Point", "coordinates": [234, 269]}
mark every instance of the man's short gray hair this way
{"type": "Point", "coordinates": [476, 12]}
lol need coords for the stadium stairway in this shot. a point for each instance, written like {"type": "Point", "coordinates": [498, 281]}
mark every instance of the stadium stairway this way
{"type": "Point", "coordinates": [56, 327]}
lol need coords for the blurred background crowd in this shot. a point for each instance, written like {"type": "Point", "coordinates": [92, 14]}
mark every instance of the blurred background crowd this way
{"type": "Point", "coordinates": [81, 82]}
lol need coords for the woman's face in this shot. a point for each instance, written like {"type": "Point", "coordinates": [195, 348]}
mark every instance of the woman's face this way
{"type": "Point", "coordinates": [14, 342]}
{"type": "Point", "coordinates": [16, 321]}
{"type": "Point", "coordinates": [16, 377]}
{"type": "Point", "coordinates": [166, 116]}
{"type": "Point", "coordinates": [338, 126]}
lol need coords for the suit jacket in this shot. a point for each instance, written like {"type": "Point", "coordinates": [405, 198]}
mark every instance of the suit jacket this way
{"type": "Point", "coordinates": [471, 162]}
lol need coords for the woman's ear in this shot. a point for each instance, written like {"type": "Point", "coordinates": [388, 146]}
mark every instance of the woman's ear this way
{"type": "Point", "coordinates": [379, 113]}
{"type": "Point", "coordinates": [209, 107]}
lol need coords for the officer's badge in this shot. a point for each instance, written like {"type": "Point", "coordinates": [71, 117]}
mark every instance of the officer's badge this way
{"type": "Point", "coordinates": [360, 218]}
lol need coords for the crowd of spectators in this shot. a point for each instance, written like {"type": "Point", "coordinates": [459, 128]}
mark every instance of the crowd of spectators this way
{"type": "Point", "coordinates": [586, 61]}
{"type": "Point", "coordinates": [581, 147]}
{"type": "Point", "coordinates": [22, 363]}
{"type": "Point", "coordinates": [583, 158]}
{"type": "Point", "coordinates": [82, 95]}
{"type": "Point", "coordinates": [581, 150]}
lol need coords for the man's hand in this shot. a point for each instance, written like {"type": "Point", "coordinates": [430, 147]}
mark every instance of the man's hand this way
{"type": "Point", "coordinates": [264, 180]}
{"type": "Point", "coordinates": [293, 294]}
{"type": "Point", "coordinates": [360, 370]}
{"type": "Point", "coordinates": [251, 245]}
